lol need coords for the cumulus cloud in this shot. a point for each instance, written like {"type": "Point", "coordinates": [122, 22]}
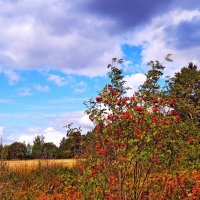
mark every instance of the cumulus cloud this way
{"type": "Point", "coordinates": [26, 138]}
{"type": "Point", "coordinates": [159, 38]}
{"type": "Point", "coordinates": [63, 37]}
{"type": "Point", "coordinates": [85, 122]}
{"type": "Point", "coordinates": [80, 87]}
{"type": "Point", "coordinates": [188, 34]}
{"type": "Point", "coordinates": [134, 81]}
{"type": "Point", "coordinates": [127, 14]}
{"type": "Point", "coordinates": [50, 135]}
{"type": "Point", "coordinates": [12, 76]}
{"type": "Point", "coordinates": [81, 37]}
{"type": "Point", "coordinates": [53, 130]}
{"type": "Point", "coordinates": [41, 88]}
{"type": "Point", "coordinates": [78, 118]}
{"type": "Point", "coordinates": [58, 80]}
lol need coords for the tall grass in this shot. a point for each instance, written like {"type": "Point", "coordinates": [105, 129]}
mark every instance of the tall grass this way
{"type": "Point", "coordinates": [58, 182]}
{"type": "Point", "coordinates": [28, 165]}
{"type": "Point", "coordinates": [38, 180]}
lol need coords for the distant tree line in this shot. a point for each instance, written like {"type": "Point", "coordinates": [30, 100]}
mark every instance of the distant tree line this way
{"type": "Point", "coordinates": [71, 146]}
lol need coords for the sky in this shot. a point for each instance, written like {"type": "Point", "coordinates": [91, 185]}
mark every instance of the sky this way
{"type": "Point", "coordinates": [54, 53]}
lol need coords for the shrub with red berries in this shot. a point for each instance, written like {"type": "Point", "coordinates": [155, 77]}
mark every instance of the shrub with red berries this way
{"type": "Point", "coordinates": [134, 136]}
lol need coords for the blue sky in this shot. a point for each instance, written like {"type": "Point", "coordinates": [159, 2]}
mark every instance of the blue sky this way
{"type": "Point", "coordinates": [54, 53]}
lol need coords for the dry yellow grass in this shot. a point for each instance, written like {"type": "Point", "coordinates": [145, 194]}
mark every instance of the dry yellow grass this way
{"type": "Point", "coordinates": [27, 165]}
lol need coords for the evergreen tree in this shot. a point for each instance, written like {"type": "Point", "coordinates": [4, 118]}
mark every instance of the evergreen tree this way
{"type": "Point", "coordinates": [185, 88]}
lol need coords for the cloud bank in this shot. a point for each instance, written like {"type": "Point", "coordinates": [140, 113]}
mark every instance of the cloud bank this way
{"type": "Point", "coordinates": [81, 37]}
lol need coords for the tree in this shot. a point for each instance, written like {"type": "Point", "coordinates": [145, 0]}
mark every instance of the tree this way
{"type": "Point", "coordinates": [185, 87]}
{"type": "Point", "coordinates": [16, 150]}
{"type": "Point", "coordinates": [74, 139]}
{"type": "Point", "coordinates": [63, 151]}
{"type": "Point", "coordinates": [1, 149]}
{"type": "Point", "coordinates": [151, 87]}
{"type": "Point", "coordinates": [29, 151]}
{"type": "Point", "coordinates": [37, 149]}
{"type": "Point", "coordinates": [71, 146]}
{"type": "Point", "coordinates": [49, 150]}
{"type": "Point", "coordinates": [4, 152]}
{"type": "Point", "coordinates": [133, 137]}
{"type": "Point", "coordinates": [87, 141]}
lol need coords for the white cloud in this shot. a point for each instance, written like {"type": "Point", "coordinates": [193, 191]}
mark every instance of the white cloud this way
{"type": "Point", "coordinates": [41, 88]}
{"type": "Point", "coordinates": [58, 38]}
{"type": "Point", "coordinates": [72, 40]}
{"type": "Point", "coordinates": [50, 135]}
{"type": "Point", "coordinates": [80, 87]}
{"type": "Point", "coordinates": [154, 40]}
{"type": "Point", "coordinates": [56, 132]}
{"type": "Point", "coordinates": [85, 122]}
{"type": "Point", "coordinates": [79, 90]}
{"type": "Point", "coordinates": [134, 81]}
{"type": "Point", "coordinates": [59, 81]}
{"type": "Point", "coordinates": [12, 76]}
{"type": "Point", "coordinates": [78, 118]}
{"type": "Point", "coordinates": [26, 138]}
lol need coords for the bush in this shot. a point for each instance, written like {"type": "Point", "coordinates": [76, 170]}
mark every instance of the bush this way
{"type": "Point", "coordinates": [134, 137]}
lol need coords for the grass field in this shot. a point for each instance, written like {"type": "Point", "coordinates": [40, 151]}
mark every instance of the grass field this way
{"type": "Point", "coordinates": [27, 165]}
{"type": "Point", "coordinates": [62, 179]}
{"type": "Point", "coordinates": [37, 179]}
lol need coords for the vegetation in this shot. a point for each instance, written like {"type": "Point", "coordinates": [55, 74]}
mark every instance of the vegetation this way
{"type": "Point", "coordinates": [71, 146]}
{"type": "Point", "coordinates": [145, 146]}
{"type": "Point", "coordinates": [185, 87]}
{"type": "Point", "coordinates": [29, 165]}
{"type": "Point", "coordinates": [134, 138]}
{"type": "Point", "coordinates": [45, 182]}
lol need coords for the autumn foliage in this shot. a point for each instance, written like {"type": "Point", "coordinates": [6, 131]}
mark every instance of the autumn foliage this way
{"type": "Point", "coordinates": [134, 137]}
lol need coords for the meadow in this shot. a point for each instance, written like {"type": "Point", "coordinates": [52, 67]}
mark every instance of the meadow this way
{"type": "Point", "coordinates": [37, 179]}
{"type": "Point", "coordinates": [28, 165]}
{"type": "Point", "coordinates": [61, 179]}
